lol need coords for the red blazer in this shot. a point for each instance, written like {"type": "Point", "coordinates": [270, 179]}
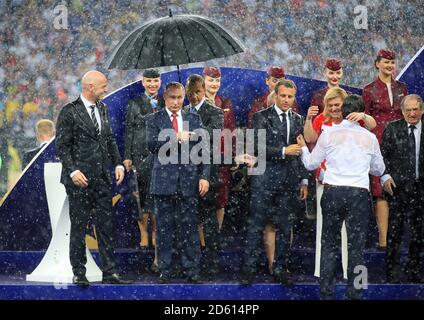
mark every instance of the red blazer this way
{"type": "Point", "coordinates": [377, 103]}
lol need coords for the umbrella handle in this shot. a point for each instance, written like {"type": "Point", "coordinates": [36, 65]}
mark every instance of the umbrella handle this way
{"type": "Point", "coordinates": [179, 72]}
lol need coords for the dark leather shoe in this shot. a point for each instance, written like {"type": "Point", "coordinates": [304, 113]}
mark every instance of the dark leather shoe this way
{"type": "Point", "coordinates": [283, 278]}
{"type": "Point", "coordinates": [81, 281]}
{"type": "Point", "coordinates": [246, 278]}
{"type": "Point", "coordinates": [195, 279]}
{"type": "Point", "coordinates": [415, 278]}
{"type": "Point", "coordinates": [115, 279]}
{"type": "Point", "coordinates": [154, 268]}
{"type": "Point", "coordinates": [164, 278]}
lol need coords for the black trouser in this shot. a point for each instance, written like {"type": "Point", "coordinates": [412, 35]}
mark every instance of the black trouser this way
{"type": "Point", "coordinates": [207, 217]}
{"type": "Point", "coordinates": [275, 206]}
{"type": "Point", "coordinates": [406, 207]}
{"type": "Point", "coordinates": [353, 206]}
{"type": "Point", "coordinates": [176, 233]}
{"type": "Point", "coordinates": [95, 201]}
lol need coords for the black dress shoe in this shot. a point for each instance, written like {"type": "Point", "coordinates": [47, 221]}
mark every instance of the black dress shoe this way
{"type": "Point", "coordinates": [164, 278]}
{"type": "Point", "coordinates": [195, 279]}
{"type": "Point", "coordinates": [80, 281]}
{"type": "Point", "coordinates": [283, 278]}
{"type": "Point", "coordinates": [115, 279]}
{"type": "Point", "coordinates": [246, 278]}
{"type": "Point", "coordinates": [415, 278]}
{"type": "Point", "coordinates": [154, 268]}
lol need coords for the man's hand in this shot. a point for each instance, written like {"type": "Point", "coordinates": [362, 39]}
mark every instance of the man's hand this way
{"type": "Point", "coordinates": [183, 135]}
{"type": "Point", "coordinates": [303, 192]}
{"type": "Point", "coordinates": [356, 116]}
{"type": "Point", "coordinates": [312, 112]}
{"type": "Point", "coordinates": [119, 175]}
{"type": "Point", "coordinates": [388, 186]}
{"type": "Point", "coordinates": [301, 141]}
{"type": "Point", "coordinates": [245, 158]}
{"type": "Point", "coordinates": [203, 187]}
{"type": "Point", "coordinates": [293, 150]}
{"type": "Point", "coordinates": [128, 164]}
{"type": "Point", "coordinates": [80, 180]}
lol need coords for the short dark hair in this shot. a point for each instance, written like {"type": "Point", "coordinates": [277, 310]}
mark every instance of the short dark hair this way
{"type": "Point", "coordinates": [285, 83]}
{"type": "Point", "coordinates": [193, 79]}
{"type": "Point", "coordinates": [173, 85]}
{"type": "Point", "coordinates": [353, 103]}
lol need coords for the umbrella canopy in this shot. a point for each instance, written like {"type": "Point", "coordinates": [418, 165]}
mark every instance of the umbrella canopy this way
{"type": "Point", "coordinates": [173, 40]}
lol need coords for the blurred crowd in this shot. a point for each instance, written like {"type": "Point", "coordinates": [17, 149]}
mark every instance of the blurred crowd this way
{"type": "Point", "coordinates": [40, 66]}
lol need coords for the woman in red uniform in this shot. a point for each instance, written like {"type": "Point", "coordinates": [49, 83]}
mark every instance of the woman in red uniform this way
{"type": "Point", "coordinates": [212, 84]}
{"type": "Point", "coordinates": [333, 73]}
{"type": "Point", "coordinates": [382, 99]}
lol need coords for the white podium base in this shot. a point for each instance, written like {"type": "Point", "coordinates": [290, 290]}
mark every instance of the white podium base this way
{"type": "Point", "coordinates": [56, 266]}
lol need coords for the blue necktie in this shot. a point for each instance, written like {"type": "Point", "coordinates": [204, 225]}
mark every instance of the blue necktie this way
{"type": "Point", "coordinates": [153, 102]}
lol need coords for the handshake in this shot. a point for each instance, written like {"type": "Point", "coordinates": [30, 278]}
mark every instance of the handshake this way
{"type": "Point", "coordinates": [295, 149]}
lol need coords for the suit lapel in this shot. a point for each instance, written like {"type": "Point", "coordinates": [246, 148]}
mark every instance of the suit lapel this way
{"type": "Point", "coordinates": [165, 119]}
{"type": "Point", "coordinates": [84, 116]}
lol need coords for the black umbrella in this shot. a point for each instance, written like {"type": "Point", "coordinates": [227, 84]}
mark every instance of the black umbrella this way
{"type": "Point", "coordinates": [173, 40]}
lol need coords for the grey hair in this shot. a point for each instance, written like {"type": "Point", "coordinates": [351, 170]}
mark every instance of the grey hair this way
{"type": "Point", "coordinates": [412, 96]}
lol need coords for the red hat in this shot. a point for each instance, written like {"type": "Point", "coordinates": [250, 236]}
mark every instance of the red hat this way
{"type": "Point", "coordinates": [386, 54]}
{"type": "Point", "coordinates": [333, 64]}
{"type": "Point", "coordinates": [276, 72]}
{"type": "Point", "coordinates": [213, 72]}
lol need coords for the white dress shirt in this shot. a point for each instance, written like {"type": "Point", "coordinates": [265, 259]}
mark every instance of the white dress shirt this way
{"type": "Point", "coordinates": [179, 119]}
{"type": "Point", "coordinates": [88, 105]}
{"type": "Point", "coordinates": [417, 134]}
{"type": "Point", "coordinates": [352, 153]}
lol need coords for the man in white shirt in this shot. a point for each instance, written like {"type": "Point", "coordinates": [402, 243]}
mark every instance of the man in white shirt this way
{"type": "Point", "coordinates": [352, 153]}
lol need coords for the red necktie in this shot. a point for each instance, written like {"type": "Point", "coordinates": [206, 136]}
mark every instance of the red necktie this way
{"type": "Point", "coordinates": [174, 121]}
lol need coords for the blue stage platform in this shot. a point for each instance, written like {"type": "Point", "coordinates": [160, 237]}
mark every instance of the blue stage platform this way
{"type": "Point", "coordinates": [14, 265]}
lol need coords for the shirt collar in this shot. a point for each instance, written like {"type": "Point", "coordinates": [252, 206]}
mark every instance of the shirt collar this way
{"type": "Point", "coordinates": [279, 111]}
{"type": "Point", "coordinates": [197, 106]}
{"type": "Point", "coordinates": [418, 125]}
{"type": "Point", "coordinates": [86, 102]}
{"type": "Point", "coordinates": [170, 113]}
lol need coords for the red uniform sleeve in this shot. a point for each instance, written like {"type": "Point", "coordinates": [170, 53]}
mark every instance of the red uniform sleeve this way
{"type": "Point", "coordinates": [317, 123]}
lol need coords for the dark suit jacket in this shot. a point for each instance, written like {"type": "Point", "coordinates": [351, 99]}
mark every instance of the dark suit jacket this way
{"type": "Point", "coordinates": [28, 155]}
{"type": "Point", "coordinates": [169, 178]}
{"type": "Point", "coordinates": [279, 172]}
{"type": "Point", "coordinates": [394, 148]}
{"type": "Point", "coordinates": [135, 133]}
{"type": "Point", "coordinates": [212, 118]}
{"type": "Point", "coordinates": [80, 148]}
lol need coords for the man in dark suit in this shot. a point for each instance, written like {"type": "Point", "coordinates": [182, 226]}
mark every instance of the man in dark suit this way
{"type": "Point", "coordinates": [86, 146]}
{"type": "Point", "coordinates": [137, 153]}
{"type": "Point", "coordinates": [213, 119]}
{"type": "Point", "coordinates": [44, 131]}
{"type": "Point", "coordinates": [279, 186]}
{"type": "Point", "coordinates": [176, 183]}
{"type": "Point", "coordinates": [403, 152]}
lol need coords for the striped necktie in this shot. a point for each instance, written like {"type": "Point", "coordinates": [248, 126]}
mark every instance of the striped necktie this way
{"type": "Point", "coordinates": [94, 119]}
